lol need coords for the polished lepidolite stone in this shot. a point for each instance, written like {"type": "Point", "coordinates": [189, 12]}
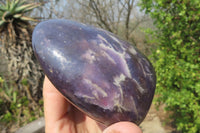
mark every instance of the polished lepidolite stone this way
{"type": "Point", "coordinates": [103, 76]}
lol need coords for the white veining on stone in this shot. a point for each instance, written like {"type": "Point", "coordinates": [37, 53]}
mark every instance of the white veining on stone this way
{"type": "Point", "coordinates": [145, 68]}
{"type": "Point", "coordinates": [88, 97]}
{"type": "Point", "coordinates": [89, 55]}
{"type": "Point", "coordinates": [119, 79]}
{"type": "Point", "coordinates": [95, 94]}
{"type": "Point", "coordinates": [102, 38]}
{"type": "Point", "coordinates": [117, 82]}
{"type": "Point", "coordinates": [108, 57]}
{"type": "Point", "coordinates": [50, 70]}
{"type": "Point", "coordinates": [120, 57]}
{"type": "Point", "coordinates": [119, 98]}
{"type": "Point", "coordinates": [118, 103]}
{"type": "Point", "coordinates": [132, 50]}
{"type": "Point", "coordinates": [134, 106]}
{"type": "Point", "coordinates": [96, 88]}
{"type": "Point", "coordinates": [141, 90]}
{"type": "Point", "coordinates": [114, 38]}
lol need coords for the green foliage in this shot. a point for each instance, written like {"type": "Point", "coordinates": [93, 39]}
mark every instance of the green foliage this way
{"type": "Point", "coordinates": [16, 108]}
{"type": "Point", "coordinates": [20, 90]}
{"type": "Point", "coordinates": [16, 33]}
{"type": "Point", "coordinates": [14, 10]}
{"type": "Point", "coordinates": [177, 58]}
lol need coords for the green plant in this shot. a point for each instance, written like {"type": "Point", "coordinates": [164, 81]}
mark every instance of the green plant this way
{"type": "Point", "coordinates": [17, 109]}
{"type": "Point", "coordinates": [177, 58]}
{"type": "Point", "coordinates": [20, 89]}
{"type": "Point", "coordinates": [16, 32]}
{"type": "Point", "coordinates": [15, 11]}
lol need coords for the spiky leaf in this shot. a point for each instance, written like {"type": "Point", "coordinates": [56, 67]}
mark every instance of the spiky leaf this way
{"type": "Point", "coordinates": [24, 18]}
{"type": "Point", "coordinates": [16, 9]}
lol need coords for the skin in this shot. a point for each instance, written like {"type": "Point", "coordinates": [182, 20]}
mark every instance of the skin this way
{"type": "Point", "coordinates": [62, 117]}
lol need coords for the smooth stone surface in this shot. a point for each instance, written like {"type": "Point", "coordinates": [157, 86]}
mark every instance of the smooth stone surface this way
{"type": "Point", "coordinates": [102, 75]}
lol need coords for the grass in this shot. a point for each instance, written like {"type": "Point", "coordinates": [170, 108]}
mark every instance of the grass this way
{"type": "Point", "coordinates": [16, 108]}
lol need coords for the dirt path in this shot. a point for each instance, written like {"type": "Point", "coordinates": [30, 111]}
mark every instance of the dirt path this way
{"type": "Point", "coordinates": [157, 121]}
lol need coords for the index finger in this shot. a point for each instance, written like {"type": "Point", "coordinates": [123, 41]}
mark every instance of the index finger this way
{"type": "Point", "coordinates": [56, 109]}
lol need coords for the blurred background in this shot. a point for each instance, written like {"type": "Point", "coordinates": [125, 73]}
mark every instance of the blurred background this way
{"type": "Point", "coordinates": [166, 31]}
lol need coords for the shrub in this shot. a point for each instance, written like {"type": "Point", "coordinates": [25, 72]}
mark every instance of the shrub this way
{"type": "Point", "coordinates": [177, 58]}
{"type": "Point", "coordinates": [16, 110]}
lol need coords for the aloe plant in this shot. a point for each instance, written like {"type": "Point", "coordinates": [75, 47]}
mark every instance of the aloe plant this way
{"type": "Point", "coordinates": [15, 11]}
{"type": "Point", "coordinates": [15, 38]}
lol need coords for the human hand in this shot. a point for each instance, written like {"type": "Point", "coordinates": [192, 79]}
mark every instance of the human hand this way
{"type": "Point", "coordinates": [62, 117]}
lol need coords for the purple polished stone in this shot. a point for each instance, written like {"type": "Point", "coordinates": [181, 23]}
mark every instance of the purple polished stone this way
{"type": "Point", "coordinates": [102, 75]}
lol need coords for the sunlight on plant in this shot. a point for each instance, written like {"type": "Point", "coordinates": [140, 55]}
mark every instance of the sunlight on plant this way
{"type": "Point", "coordinates": [15, 10]}
{"type": "Point", "coordinates": [15, 108]}
{"type": "Point", "coordinates": [20, 88]}
{"type": "Point", "coordinates": [176, 59]}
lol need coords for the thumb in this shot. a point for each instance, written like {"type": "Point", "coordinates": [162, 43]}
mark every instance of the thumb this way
{"type": "Point", "coordinates": [123, 127]}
